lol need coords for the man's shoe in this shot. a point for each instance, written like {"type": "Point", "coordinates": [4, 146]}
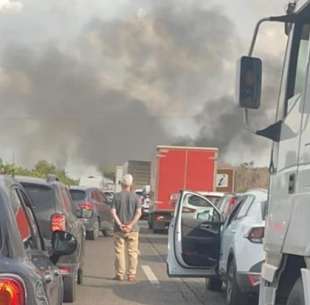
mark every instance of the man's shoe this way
{"type": "Point", "coordinates": [131, 278]}
{"type": "Point", "coordinates": [118, 278]}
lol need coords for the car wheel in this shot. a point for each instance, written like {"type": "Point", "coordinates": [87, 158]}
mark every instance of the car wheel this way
{"type": "Point", "coordinates": [214, 284]}
{"type": "Point", "coordinates": [69, 289]}
{"type": "Point", "coordinates": [234, 296]}
{"type": "Point", "coordinates": [296, 296]}
{"type": "Point", "coordinates": [80, 277]}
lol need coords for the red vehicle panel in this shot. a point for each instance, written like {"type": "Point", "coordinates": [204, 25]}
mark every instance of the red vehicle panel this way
{"type": "Point", "coordinates": [183, 168]}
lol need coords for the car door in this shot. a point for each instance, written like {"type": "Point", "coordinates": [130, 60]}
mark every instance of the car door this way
{"type": "Point", "coordinates": [32, 241]}
{"type": "Point", "coordinates": [230, 229]}
{"type": "Point", "coordinates": [194, 237]}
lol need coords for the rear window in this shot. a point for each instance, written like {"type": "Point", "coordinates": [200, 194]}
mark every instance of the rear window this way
{"type": "Point", "coordinates": [42, 196]}
{"type": "Point", "coordinates": [77, 195]}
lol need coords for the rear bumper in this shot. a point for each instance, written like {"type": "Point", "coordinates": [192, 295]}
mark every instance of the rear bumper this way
{"type": "Point", "coordinates": [249, 282]}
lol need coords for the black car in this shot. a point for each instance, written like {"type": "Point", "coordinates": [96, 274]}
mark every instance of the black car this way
{"type": "Point", "coordinates": [28, 275]}
{"type": "Point", "coordinates": [91, 206]}
{"type": "Point", "coordinates": [53, 207]}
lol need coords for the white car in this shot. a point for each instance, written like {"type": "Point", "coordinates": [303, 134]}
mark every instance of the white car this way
{"type": "Point", "coordinates": [201, 245]}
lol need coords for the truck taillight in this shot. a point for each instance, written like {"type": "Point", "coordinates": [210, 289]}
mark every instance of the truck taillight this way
{"type": "Point", "coordinates": [58, 222]}
{"type": "Point", "coordinates": [256, 235]}
{"type": "Point", "coordinates": [12, 292]}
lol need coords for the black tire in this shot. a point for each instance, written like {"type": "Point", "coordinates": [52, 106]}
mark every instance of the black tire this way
{"type": "Point", "coordinates": [234, 295]}
{"type": "Point", "coordinates": [214, 284]}
{"type": "Point", "coordinates": [93, 235]}
{"type": "Point", "coordinates": [296, 296]}
{"type": "Point", "coordinates": [69, 289]}
{"type": "Point", "coordinates": [80, 277]}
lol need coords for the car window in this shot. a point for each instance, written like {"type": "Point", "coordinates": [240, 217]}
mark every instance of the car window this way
{"type": "Point", "coordinates": [94, 195]}
{"type": "Point", "coordinates": [23, 224]}
{"type": "Point", "coordinates": [66, 199]}
{"type": "Point", "coordinates": [42, 197]}
{"type": "Point", "coordinates": [235, 213]}
{"type": "Point", "coordinates": [244, 209]}
{"type": "Point", "coordinates": [78, 195]}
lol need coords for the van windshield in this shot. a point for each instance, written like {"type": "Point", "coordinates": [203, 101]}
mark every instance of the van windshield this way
{"type": "Point", "coordinates": [42, 196]}
{"type": "Point", "coordinates": [78, 195]}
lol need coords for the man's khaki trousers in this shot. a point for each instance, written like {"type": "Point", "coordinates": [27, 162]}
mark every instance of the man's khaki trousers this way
{"type": "Point", "coordinates": [126, 244]}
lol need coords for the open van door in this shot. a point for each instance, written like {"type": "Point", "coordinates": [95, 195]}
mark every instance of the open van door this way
{"type": "Point", "coordinates": [194, 237]}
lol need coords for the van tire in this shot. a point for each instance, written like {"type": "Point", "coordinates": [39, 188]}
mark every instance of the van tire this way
{"type": "Point", "coordinates": [214, 284]}
{"type": "Point", "coordinates": [296, 296]}
{"type": "Point", "coordinates": [69, 289]}
{"type": "Point", "coordinates": [234, 295]}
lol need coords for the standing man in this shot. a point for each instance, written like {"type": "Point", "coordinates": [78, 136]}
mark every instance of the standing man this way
{"type": "Point", "coordinates": [126, 211]}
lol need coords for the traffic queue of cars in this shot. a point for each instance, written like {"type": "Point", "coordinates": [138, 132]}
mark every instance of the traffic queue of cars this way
{"type": "Point", "coordinates": [41, 241]}
{"type": "Point", "coordinates": [221, 241]}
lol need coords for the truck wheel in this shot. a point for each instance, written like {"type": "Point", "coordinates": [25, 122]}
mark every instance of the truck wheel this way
{"type": "Point", "coordinates": [69, 289]}
{"type": "Point", "coordinates": [214, 284]}
{"type": "Point", "coordinates": [296, 296]}
{"type": "Point", "coordinates": [234, 296]}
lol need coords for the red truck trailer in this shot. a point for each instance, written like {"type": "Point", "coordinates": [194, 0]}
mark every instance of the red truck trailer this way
{"type": "Point", "coordinates": [175, 168]}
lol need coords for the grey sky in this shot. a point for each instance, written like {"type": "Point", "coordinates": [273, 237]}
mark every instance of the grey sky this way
{"type": "Point", "coordinates": [77, 76]}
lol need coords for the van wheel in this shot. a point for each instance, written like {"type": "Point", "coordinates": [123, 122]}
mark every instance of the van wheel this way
{"type": "Point", "coordinates": [214, 284]}
{"type": "Point", "coordinates": [296, 296]}
{"type": "Point", "coordinates": [234, 296]}
{"type": "Point", "coordinates": [69, 289]}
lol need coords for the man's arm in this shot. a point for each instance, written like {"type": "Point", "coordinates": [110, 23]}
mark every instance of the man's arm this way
{"type": "Point", "coordinates": [116, 218]}
{"type": "Point", "coordinates": [136, 218]}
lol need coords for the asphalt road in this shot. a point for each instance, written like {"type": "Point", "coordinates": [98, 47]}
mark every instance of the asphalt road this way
{"type": "Point", "coordinates": [153, 287]}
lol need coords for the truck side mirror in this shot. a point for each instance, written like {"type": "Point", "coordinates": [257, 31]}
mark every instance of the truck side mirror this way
{"type": "Point", "coordinates": [249, 82]}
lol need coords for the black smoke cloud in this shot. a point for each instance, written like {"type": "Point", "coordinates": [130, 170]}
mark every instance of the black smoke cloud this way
{"type": "Point", "coordinates": [109, 96]}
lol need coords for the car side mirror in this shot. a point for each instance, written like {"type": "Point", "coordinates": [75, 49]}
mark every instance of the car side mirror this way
{"type": "Point", "coordinates": [249, 82]}
{"type": "Point", "coordinates": [63, 243]}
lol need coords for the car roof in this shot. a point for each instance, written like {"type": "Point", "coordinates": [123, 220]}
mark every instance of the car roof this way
{"type": "Point", "coordinates": [260, 194]}
{"type": "Point", "coordinates": [38, 181]}
{"type": "Point", "coordinates": [214, 194]}
{"type": "Point", "coordinates": [83, 188]}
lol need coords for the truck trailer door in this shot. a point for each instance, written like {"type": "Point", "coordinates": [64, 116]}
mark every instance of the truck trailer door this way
{"type": "Point", "coordinates": [194, 237]}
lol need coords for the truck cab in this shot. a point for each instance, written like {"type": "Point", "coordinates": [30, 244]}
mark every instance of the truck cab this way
{"type": "Point", "coordinates": [286, 271]}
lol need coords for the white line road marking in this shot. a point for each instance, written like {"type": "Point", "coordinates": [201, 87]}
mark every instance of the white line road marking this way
{"type": "Point", "coordinates": [150, 275]}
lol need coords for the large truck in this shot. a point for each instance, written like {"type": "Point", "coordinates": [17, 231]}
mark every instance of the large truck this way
{"type": "Point", "coordinates": [175, 168]}
{"type": "Point", "coordinates": [286, 270]}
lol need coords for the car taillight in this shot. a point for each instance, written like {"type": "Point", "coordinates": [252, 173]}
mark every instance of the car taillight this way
{"type": "Point", "coordinates": [12, 292]}
{"type": "Point", "coordinates": [86, 206]}
{"type": "Point", "coordinates": [58, 222]}
{"type": "Point", "coordinates": [256, 235]}
{"type": "Point", "coordinates": [254, 279]}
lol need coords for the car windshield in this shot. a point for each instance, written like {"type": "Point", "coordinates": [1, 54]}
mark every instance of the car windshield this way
{"type": "Point", "coordinates": [42, 196]}
{"type": "Point", "coordinates": [78, 195]}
